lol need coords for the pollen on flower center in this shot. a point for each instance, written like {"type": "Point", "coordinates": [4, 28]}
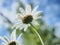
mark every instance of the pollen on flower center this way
{"type": "Point", "coordinates": [27, 19]}
{"type": "Point", "coordinates": [12, 43]}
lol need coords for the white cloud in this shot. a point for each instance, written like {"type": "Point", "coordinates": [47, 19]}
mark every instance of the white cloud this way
{"type": "Point", "coordinates": [49, 14]}
{"type": "Point", "coordinates": [1, 1]}
{"type": "Point", "coordinates": [55, 7]}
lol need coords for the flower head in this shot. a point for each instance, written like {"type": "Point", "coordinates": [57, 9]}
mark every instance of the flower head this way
{"type": "Point", "coordinates": [12, 40]}
{"type": "Point", "coordinates": [26, 17]}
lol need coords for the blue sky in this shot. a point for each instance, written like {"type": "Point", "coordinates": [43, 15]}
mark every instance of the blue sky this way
{"type": "Point", "coordinates": [50, 9]}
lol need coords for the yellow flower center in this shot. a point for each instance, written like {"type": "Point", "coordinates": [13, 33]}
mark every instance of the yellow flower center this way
{"type": "Point", "coordinates": [27, 19]}
{"type": "Point", "coordinates": [12, 43]}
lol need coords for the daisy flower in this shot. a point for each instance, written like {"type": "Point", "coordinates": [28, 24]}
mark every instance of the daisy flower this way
{"type": "Point", "coordinates": [26, 17]}
{"type": "Point", "coordinates": [12, 40]}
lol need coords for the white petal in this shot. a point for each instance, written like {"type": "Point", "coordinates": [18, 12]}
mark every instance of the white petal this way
{"type": "Point", "coordinates": [3, 39]}
{"type": "Point", "coordinates": [28, 9]}
{"type": "Point", "coordinates": [19, 36]}
{"type": "Point", "coordinates": [15, 25]}
{"type": "Point", "coordinates": [13, 35]}
{"type": "Point", "coordinates": [35, 23]}
{"type": "Point", "coordinates": [38, 13]}
{"type": "Point", "coordinates": [20, 42]}
{"type": "Point", "coordinates": [18, 26]}
{"type": "Point", "coordinates": [6, 38]}
{"type": "Point", "coordinates": [25, 28]}
{"type": "Point", "coordinates": [22, 11]}
{"type": "Point", "coordinates": [22, 26]}
{"type": "Point", "coordinates": [19, 16]}
{"type": "Point", "coordinates": [34, 10]}
{"type": "Point", "coordinates": [39, 17]}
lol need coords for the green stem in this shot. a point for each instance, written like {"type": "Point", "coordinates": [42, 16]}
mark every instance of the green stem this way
{"type": "Point", "coordinates": [37, 34]}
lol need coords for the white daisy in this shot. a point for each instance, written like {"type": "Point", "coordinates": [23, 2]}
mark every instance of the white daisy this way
{"type": "Point", "coordinates": [26, 17]}
{"type": "Point", "coordinates": [12, 40]}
